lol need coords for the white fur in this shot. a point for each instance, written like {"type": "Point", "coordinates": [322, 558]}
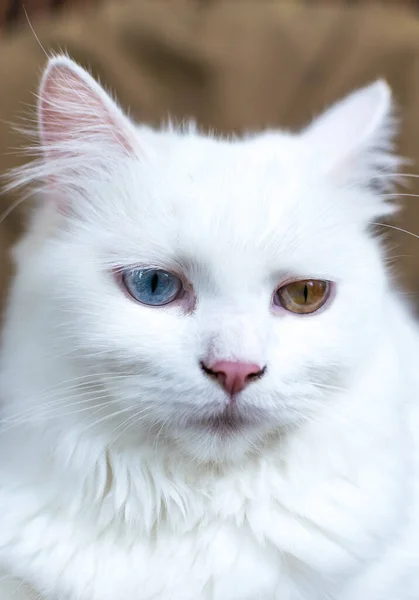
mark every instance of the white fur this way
{"type": "Point", "coordinates": [108, 490]}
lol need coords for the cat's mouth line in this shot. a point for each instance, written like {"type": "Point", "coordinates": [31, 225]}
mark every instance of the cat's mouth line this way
{"type": "Point", "coordinates": [230, 420]}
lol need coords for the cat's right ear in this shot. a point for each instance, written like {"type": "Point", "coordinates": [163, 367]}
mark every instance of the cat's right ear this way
{"type": "Point", "coordinates": [84, 136]}
{"type": "Point", "coordinates": [76, 116]}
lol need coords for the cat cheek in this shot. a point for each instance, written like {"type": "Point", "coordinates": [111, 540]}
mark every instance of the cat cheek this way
{"type": "Point", "coordinates": [187, 302]}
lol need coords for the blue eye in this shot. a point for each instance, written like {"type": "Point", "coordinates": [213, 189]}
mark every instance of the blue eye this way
{"type": "Point", "coordinates": [152, 286]}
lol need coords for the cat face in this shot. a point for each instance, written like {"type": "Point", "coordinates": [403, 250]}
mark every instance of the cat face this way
{"type": "Point", "coordinates": [223, 292]}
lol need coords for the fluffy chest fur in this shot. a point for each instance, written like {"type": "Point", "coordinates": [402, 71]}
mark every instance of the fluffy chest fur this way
{"type": "Point", "coordinates": [245, 535]}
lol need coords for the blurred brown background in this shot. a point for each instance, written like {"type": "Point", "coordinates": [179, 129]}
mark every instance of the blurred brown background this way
{"type": "Point", "coordinates": [234, 65]}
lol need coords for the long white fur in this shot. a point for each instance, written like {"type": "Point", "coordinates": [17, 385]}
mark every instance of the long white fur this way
{"type": "Point", "coordinates": [109, 487]}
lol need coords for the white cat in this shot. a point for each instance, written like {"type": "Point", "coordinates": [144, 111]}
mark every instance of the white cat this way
{"type": "Point", "coordinates": [209, 383]}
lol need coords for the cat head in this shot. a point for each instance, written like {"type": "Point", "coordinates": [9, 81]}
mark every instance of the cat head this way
{"type": "Point", "coordinates": [221, 291]}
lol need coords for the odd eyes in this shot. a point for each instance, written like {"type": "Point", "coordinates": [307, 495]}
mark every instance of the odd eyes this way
{"type": "Point", "coordinates": [155, 287]}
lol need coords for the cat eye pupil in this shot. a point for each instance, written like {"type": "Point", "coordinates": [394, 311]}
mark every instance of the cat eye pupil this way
{"type": "Point", "coordinates": [305, 293]}
{"type": "Point", "coordinates": [154, 282]}
{"type": "Point", "coordinates": [152, 287]}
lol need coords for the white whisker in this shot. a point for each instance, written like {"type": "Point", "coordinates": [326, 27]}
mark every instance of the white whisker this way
{"type": "Point", "coordinates": [396, 229]}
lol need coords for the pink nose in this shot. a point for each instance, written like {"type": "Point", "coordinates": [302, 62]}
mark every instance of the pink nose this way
{"type": "Point", "coordinates": [233, 376]}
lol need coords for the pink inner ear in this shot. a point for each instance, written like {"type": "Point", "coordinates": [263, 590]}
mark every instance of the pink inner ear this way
{"type": "Point", "coordinates": [74, 109]}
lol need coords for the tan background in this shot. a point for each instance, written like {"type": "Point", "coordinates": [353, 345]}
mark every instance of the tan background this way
{"type": "Point", "coordinates": [235, 65]}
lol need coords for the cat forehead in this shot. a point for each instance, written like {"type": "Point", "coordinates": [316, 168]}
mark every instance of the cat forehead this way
{"type": "Point", "coordinates": [208, 156]}
{"type": "Point", "coordinates": [238, 179]}
{"type": "Point", "coordinates": [243, 186]}
{"type": "Point", "coordinates": [202, 198]}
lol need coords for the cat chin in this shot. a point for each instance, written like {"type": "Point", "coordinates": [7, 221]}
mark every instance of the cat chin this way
{"type": "Point", "coordinates": [225, 448]}
{"type": "Point", "coordinates": [225, 440]}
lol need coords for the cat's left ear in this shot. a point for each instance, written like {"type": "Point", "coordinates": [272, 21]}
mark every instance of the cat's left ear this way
{"type": "Point", "coordinates": [353, 140]}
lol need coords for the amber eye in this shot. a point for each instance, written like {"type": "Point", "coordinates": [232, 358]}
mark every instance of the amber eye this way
{"type": "Point", "coordinates": [303, 297]}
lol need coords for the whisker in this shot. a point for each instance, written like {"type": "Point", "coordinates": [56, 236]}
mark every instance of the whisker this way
{"type": "Point", "coordinates": [397, 229]}
{"type": "Point", "coordinates": [390, 175]}
{"type": "Point", "coordinates": [136, 418]}
{"type": "Point", "coordinates": [156, 440]}
{"type": "Point", "coordinates": [50, 416]}
{"type": "Point", "coordinates": [106, 418]}
{"type": "Point", "coordinates": [34, 33]}
{"type": "Point", "coordinates": [396, 195]}
{"type": "Point", "coordinates": [57, 402]}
